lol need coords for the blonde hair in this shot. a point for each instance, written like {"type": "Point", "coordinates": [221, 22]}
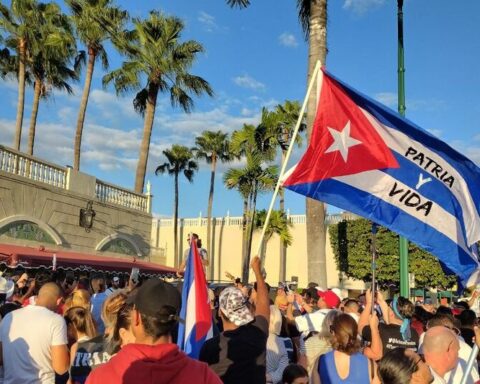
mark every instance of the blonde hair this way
{"type": "Point", "coordinates": [78, 298]}
{"type": "Point", "coordinates": [275, 325]}
{"type": "Point", "coordinates": [82, 320]}
{"type": "Point", "coordinates": [110, 308]}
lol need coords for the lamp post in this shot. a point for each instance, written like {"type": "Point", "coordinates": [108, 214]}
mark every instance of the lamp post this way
{"type": "Point", "coordinates": [404, 283]}
{"type": "Point", "coordinates": [87, 216]}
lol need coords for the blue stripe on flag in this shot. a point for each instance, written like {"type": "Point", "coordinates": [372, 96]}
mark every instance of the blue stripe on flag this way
{"type": "Point", "coordinates": [369, 206]}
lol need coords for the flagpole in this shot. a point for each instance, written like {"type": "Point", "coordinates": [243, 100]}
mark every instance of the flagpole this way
{"type": "Point", "coordinates": [313, 81]}
{"type": "Point", "coordinates": [374, 263]}
{"type": "Point", "coordinates": [404, 281]}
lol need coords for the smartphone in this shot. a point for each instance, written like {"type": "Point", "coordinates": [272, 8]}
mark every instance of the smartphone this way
{"type": "Point", "coordinates": [134, 275]}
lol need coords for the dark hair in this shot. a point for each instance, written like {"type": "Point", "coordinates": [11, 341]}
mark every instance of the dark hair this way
{"type": "Point", "coordinates": [41, 278]}
{"type": "Point", "coordinates": [292, 372]}
{"type": "Point", "coordinates": [467, 317]}
{"type": "Point", "coordinates": [462, 304]}
{"type": "Point", "coordinates": [405, 307]}
{"type": "Point", "coordinates": [396, 367]}
{"type": "Point", "coordinates": [422, 315]}
{"type": "Point", "coordinates": [344, 334]}
{"type": "Point", "coordinates": [157, 326]}
{"type": "Point", "coordinates": [444, 310]}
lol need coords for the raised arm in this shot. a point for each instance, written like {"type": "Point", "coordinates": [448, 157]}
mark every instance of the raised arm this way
{"type": "Point", "coordinates": [263, 302]}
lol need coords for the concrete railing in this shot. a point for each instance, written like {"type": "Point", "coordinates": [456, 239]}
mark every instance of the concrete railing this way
{"type": "Point", "coordinates": [20, 164]}
{"type": "Point", "coordinates": [41, 171]}
{"type": "Point", "coordinates": [238, 220]}
{"type": "Point", "coordinates": [109, 193]}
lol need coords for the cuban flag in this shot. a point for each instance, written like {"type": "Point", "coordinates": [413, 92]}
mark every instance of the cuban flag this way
{"type": "Point", "coordinates": [195, 312]}
{"type": "Point", "coordinates": [367, 159]}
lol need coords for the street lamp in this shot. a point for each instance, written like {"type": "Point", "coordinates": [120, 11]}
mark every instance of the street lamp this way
{"type": "Point", "coordinates": [86, 216]}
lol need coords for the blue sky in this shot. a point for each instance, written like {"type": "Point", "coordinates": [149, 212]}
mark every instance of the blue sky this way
{"type": "Point", "coordinates": [257, 57]}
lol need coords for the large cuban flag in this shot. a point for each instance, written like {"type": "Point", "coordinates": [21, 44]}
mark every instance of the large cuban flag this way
{"type": "Point", "coordinates": [195, 312]}
{"type": "Point", "coordinates": [367, 159]}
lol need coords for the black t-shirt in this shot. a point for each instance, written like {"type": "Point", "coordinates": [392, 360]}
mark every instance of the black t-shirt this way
{"type": "Point", "coordinates": [467, 335]}
{"type": "Point", "coordinates": [392, 338]}
{"type": "Point", "coordinates": [239, 356]}
{"type": "Point", "coordinates": [90, 354]}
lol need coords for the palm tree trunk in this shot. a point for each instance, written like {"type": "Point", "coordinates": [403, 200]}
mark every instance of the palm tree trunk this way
{"type": "Point", "coordinates": [283, 246]}
{"type": "Point", "coordinates": [147, 133]}
{"type": "Point", "coordinates": [175, 224]}
{"type": "Point", "coordinates": [246, 265]}
{"type": "Point", "coordinates": [83, 109]}
{"type": "Point", "coordinates": [315, 210]}
{"type": "Point", "coordinates": [33, 118]}
{"type": "Point", "coordinates": [209, 214]}
{"type": "Point", "coordinates": [21, 93]}
{"type": "Point", "coordinates": [244, 236]}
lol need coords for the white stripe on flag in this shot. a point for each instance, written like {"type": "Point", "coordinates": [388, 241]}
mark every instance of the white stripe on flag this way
{"type": "Point", "coordinates": [399, 141]}
{"type": "Point", "coordinates": [379, 184]}
{"type": "Point", "coordinates": [191, 316]}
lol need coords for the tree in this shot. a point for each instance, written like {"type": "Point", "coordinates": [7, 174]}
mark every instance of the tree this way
{"type": "Point", "coordinates": [257, 146]}
{"type": "Point", "coordinates": [180, 159]}
{"type": "Point", "coordinates": [286, 117]}
{"type": "Point", "coordinates": [19, 22]}
{"type": "Point", "coordinates": [50, 59]}
{"type": "Point", "coordinates": [88, 16]}
{"type": "Point", "coordinates": [212, 147]}
{"type": "Point", "coordinates": [312, 15]}
{"type": "Point", "coordinates": [277, 225]}
{"type": "Point", "coordinates": [351, 244]}
{"type": "Point", "coordinates": [155, 53]}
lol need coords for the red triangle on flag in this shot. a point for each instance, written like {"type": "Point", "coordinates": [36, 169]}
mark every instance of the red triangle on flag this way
{"type": "Point", "coordinates": [343, 141]}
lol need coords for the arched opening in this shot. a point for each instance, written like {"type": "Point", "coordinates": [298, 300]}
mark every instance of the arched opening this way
{"type": "Point", "coordinates": [119, 244]}
{"type": "Point", "coordinates": [28, 228]}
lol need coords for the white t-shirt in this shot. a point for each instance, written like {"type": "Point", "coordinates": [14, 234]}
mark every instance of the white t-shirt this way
{"type": "Point", "coordinates": [311, 322]}
{"type": "Point", "coordinates": [27, 336]}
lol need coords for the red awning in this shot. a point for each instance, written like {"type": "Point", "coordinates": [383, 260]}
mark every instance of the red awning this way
{"type": "Point", "coordinates": [30, 257]}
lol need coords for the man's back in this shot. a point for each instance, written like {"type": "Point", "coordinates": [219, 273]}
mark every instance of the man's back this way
{"type": "Point", "coordinates": [27, 336]}
{"type": "Point", "coordinates": [97, 301]}
{"type": "Point", "coordinates": [239, 356]}
{"type": "Point", "coordinates": [152, 364]}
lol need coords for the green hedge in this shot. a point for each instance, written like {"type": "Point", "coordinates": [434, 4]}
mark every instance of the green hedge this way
{"type": "Point", "coordinates": [351, 243]}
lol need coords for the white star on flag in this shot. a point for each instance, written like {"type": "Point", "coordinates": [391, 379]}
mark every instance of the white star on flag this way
{"type": "Point", "coordinates": [342, 141]}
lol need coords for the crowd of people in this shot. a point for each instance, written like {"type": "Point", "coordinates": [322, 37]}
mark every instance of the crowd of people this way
{"type": "Point", "coordinates": [59, 327]}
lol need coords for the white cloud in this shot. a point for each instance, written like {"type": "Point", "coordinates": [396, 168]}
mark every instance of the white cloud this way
{"type": "Point", "coordinates": [247, 81]}
{"type": "Point", "coordinates": [360, 7]}
{"type": "Point", "coordinates": [207, 21]}
{"type": "Point", "coordinates": [436, 132]}
{"type": "Point", "coordinates": [389, 99]}
{"type": "Point", "coordinates": [288, 40]}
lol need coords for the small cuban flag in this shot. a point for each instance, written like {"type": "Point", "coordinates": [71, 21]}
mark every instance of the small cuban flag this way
{"type": "Point", "coordinates": [196, 312]}
{"type": "Point", "coordinates": [367, 159]}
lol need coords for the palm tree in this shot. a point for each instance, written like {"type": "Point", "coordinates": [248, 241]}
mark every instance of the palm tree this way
{"type": "Point", "coordinates": [287, 115]}
{"type": "Point", "coordinates": [87, 16]}
{"type": "Point", "coordinates": [155, 54]}
{"type": "Point", "coordinates": [212, 147]}
{"type": "Point", "coordinates": [257, 145]}
{"type": "Point", "coordinates": [19, 23]}
{"type": "Point", "coordinates": [180, 160]}
{"type": "Point", "coordinates": [49, 66]}
{"type": "Point", "coordinates": [278, 224]}
{"type": "Point", "coordinates": [312, 15]}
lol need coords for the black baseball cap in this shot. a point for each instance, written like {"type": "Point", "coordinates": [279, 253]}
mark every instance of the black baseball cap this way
{"type": "Point", "coordinates": [158, 299]}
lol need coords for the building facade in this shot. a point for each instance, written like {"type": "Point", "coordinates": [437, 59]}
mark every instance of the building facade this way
{"type": "Point", "coordinates": [226, 254]}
